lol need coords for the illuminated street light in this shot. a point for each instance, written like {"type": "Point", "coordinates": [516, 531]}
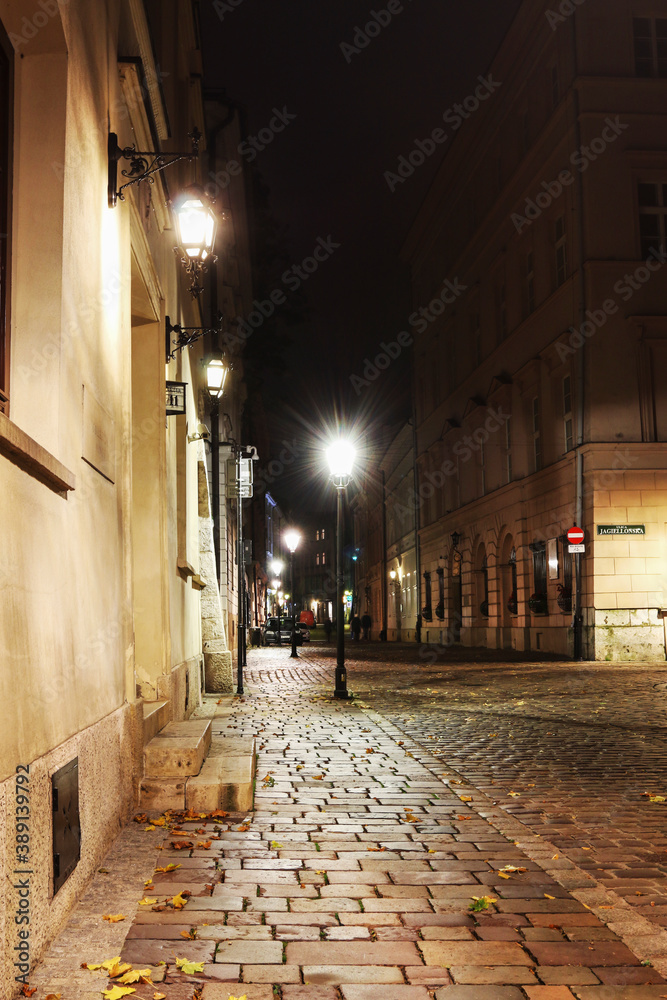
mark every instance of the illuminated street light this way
{"type": "Point", "coordinates": [292, 539]}
{"type": "Point", "coordinates": [340, 456]}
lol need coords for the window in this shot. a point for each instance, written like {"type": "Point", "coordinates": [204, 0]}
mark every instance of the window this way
{"type": "Point", "coordinates": [428, 608]}
{"type": "Point", "coordinates": [561, 250]}
{"type": "Point", "coordinates": [567, 413]}
{"type": "Point", "coordinates": [529, 292]}
{"type": "Point", "coordinates": [555, 86]}
{"type": "Point", "coordinates": [652, 199]}
{"type": "Point", "coordinates": [322, 534]}
{"type": "Point", "coordinates": [317, 559]}
{"type": "Point", "coordinates": [324, 558]}
{"type": "Point", "coordinates": [317, 536]}
{"type": "Point", "coordinates": [6, 99]}
{"type": "Point", "coordinates": [650, 36]}
{"type": "Point", "coordinates": [537, 437]}
{"type": "Point", "coordinates": [539, 552]}
{"type": "Point", "coordinates": [482, 472]}
{"type": "Point", "coordinates": [508, 449]}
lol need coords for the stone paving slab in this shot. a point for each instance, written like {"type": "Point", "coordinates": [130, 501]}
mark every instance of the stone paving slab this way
{"type": "Point", "coordinates": [356, 875]}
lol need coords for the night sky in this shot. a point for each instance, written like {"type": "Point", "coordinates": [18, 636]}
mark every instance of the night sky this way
{"type": "Point", "coordinates": [356, 113]}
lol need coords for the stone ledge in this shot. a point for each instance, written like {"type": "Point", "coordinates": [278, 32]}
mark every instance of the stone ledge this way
{"type": "Point", "coordinates": [39, 463]}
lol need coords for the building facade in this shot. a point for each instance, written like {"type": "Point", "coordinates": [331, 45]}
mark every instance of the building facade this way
{"type": "Point", "coordinates": [108, 582]}
{"type": "Point", "coordinates": [540, 324]}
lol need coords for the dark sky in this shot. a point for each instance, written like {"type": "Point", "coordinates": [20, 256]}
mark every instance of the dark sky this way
{"type": "Point", "coordinates": [356, 113]}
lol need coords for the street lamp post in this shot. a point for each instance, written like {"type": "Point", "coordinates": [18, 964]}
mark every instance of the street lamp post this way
{"type": "Point", "coordinates": [277, 568]}
{"type": "Point", "coordinates": [340, 456]}
{"type": "Point", "coordinates": [292, 539]}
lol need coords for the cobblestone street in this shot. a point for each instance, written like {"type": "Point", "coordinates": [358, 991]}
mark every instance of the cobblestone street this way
{"type": "Point", "coordinates": [463, 831]}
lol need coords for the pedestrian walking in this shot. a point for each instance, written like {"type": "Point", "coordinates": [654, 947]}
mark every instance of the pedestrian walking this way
{"type": "Point", "coordinates": [355, 628]}
{"type": "Point", "coordinates": [366, 623]}
{"type": "Point", "coordinates": [328, 625]}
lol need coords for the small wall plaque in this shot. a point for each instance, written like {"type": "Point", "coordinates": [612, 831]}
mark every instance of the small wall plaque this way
{"type": "Point", "coordinates": [175, 398]}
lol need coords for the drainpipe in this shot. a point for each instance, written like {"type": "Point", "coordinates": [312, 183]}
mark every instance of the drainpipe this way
{"type": "Point", "coordinates": [577, 621]}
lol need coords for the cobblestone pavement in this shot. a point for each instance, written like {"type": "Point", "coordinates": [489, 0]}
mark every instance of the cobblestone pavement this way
{"type": "Point", "coordinates": [374, 867]}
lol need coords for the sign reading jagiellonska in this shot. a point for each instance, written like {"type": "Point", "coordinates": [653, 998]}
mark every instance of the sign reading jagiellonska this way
{"type": "Point", "coordinates": [621, 529]}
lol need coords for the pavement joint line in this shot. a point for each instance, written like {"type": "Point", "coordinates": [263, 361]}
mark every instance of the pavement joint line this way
{"type": "Point", "coordinates": [598, 895]}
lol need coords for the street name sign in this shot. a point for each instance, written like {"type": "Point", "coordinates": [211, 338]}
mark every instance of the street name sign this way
{"type": "Point", "coordinates": [621, 529]}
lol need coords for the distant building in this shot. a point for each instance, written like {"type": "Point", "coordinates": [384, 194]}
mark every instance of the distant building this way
{"type": "Point", "coordinates": [315, 567]}
{"type": "Point", "coordinates": [540, 323]}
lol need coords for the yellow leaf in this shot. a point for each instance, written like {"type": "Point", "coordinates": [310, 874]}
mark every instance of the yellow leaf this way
{"type": "Point", "coordinates": [189, 967]}
{"type": "Point", "coordinates": [147, 902]}
{"type": "Point", "coordinates": [111, 963]}
{"type": "Point", "coordinates": [547, 896]}
{"type": "Point", "coordinates": [204, 844]}
{"type": "Point", "coordinates": [117, 992]}
{"type": "Point", "coordinates": [515, 795]}
{"type": "Point", "coordinates": [53, 996]}
{"type": "Point", "coordinates": [431, 850]}
{"type": "Point", "coordinates": [656, 798]}
{"type": "Point", "coordinates": [113, 918]}
{"type": "Point", "coordinates": [149, 827]}
{"type": "Point", "coordinates": [511, 868]}
{"type": "Point", "coordinates": [118, 970]}
{"type": "Point", "coordinates": [465, 798]}
{"type": "Point", "coordinates": [159, 996]}
{"type": "Point", "coordinates": [178, 902]}
{"type": "Point", "coordinates": [244, 997]}
{"type": "Point", "coordinates": [503, 875]}
{"type": "Point", "coordinates": [134, 975]}
{"type": "Point", "coordinates": [168, 868]}
{"type": "Point", "coordinates": [275, 846]}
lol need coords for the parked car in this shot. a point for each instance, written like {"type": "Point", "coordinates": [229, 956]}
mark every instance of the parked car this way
{"type": "Point", "coordinates": [304, 630]}
{"type": "Point", "coordinates": [270, 633]}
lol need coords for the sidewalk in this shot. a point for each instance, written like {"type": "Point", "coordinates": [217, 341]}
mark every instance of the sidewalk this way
{"type": "Point", "coordinates": [361, 875]}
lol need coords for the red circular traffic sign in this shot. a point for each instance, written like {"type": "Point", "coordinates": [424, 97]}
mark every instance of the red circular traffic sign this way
{"type": "Point", "coordinates": [575, 536]}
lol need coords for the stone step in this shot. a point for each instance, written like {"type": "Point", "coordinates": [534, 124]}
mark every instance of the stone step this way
{"type": "Point", "coordinates": [156, 717]}
{"type": "Point", "coordinates": [178, 750]}
{"type": "Point", "coordinates": [160, 794]}
{"type": "Point", "coordinates": [226, 778]}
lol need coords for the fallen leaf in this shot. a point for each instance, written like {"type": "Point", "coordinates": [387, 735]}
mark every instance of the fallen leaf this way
{"type": "Point", "coordinates": [168, 868]}
{"type": "Point", "coordinates": [189, 967]}
{"type": "Point", "coordinates": [547, 896]}
{"type": "Point", "coordinates": [113, 918]}
{"type": "Point", "coordinates": [465, 798]}
{"type": "Point", "coordinates": [53, 996]}
{"type": "Point", "coordinates": [503, 875]}
{"type": "Point", "coordinates": [515, 795]}
{"type": "Point", "coordinates": [376, 848]}
{"type": "Point", "coordinates": [243, 828]}
{"type": "Point", "coordinates": [117, 992]}
{"type": "Point", "coordinates": [512, 868]}
{"type": "Point", "coordinates": [27, 991]}
{"type": "Point", "coordinates": [191, 934]}
{"type": "Point", "coordinates": [148, 828]}
{"type": "Point", "coordinates": [145, 902]}
{"type": "Point", "coordinates": [204, 845]}
{"type": "Point", "coordinates": [143, 818]}
{"type": "Point", "coordinates": [275, 846]}
{"type": "Point", "coordinates": [119, 970]}
{"type": "Point", "coordinates": [178, 902]}
{"type": "Point", "coordinates": [136, 975]}
{"type": "Point", "coordinates": [159, 996]}
{"type": "Point", "coordinates": [218, 814]}
{"type": "Point", "coordinates": [182, 845]}
{"type": "Point", "coordinates": [481, 902]}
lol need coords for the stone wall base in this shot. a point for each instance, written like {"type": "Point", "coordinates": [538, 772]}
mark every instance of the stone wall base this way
{"type": "Point", "coordinates": [183, 687]}
{"type": "Point", "coordinates": [624, 635]}
{"type": "Point", "coordinates": [109, 755]}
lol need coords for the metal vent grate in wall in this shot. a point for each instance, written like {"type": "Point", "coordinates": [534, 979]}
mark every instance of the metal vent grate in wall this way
{"type": "Point", "coordinates": [66, 824]}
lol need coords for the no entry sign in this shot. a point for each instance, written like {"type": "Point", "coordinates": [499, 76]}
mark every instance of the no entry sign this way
{"type": "Point", "coordinates": [575, 536]}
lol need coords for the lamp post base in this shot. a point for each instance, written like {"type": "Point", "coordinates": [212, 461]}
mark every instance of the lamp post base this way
{"type": "Point", "coordinates": [342, 693]}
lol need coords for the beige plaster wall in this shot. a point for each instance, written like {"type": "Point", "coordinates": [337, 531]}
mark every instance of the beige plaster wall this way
{"type": "Point", "coordinates": [109, 756]}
